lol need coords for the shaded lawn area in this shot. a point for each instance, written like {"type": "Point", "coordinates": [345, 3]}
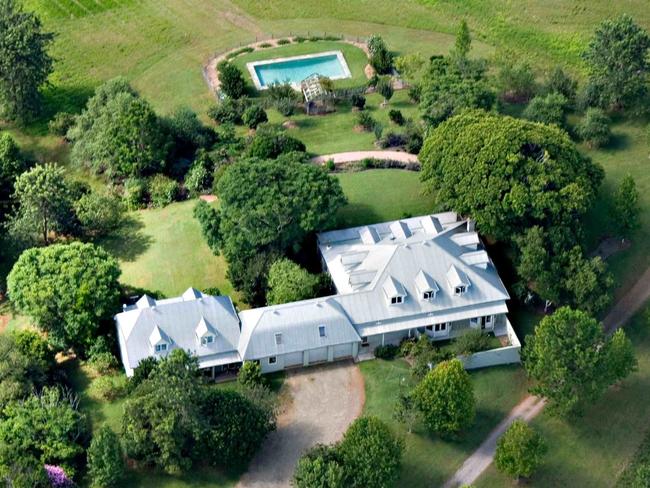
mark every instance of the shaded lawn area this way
{"type": "Point", "coordinates": [428, 460]}
{"type": "Point", "coordinates": [594, 450]}
{"type": "Point", "coordinates": [163, 250]}
{"type": "Point", "coordinates": [355, 58]}
{"type": "Point", "coordinates": [379, 195]}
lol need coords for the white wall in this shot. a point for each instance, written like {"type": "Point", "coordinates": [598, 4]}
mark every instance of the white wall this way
{"type": "Point", "coordinates": [494, 357]}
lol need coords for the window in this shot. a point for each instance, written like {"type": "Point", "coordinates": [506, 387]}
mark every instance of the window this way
{"type": "Point", "coordinates": [427, 295]}
{"type": "Point", "coordinates": [273, 360]}
{"type": "Point", "coordinates": [278, 339]}
{"type": "Point", "coordinates": [441, 327]}
{"type": "Point", "coordinates": [396, 300]}
{"type": "Point", "coordinates": [321, 330]}
{"type": "Point", "coordinates": [207, 340]}
{"type": "Point", "coordinates": [161, 347]}
{"type": "Point", "coordinates": [429, 327]}
{"type": "Point", "coordinates": [364, 342]}
{"type": "Point", "coordinates": [459, 290]}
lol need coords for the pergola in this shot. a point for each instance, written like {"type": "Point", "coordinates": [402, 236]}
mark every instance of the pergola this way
{"type": "Point", "coordinates": [311, 87]}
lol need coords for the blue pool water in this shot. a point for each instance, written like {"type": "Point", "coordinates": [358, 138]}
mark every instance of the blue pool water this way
{"type": "Point", "coordinates": [296, 70]}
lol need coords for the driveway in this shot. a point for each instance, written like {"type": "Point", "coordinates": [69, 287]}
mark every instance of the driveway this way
{"type": "Point", "coordinates": [353, 156]}
{"type": "Point", "coordinates": [324, 400]}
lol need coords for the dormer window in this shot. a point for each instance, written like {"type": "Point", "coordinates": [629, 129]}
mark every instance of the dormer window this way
{"type": "Point", "coordinates": [394, 291]}
{"type": "Point", "coordinates": [278, 339]}
{"type": "Point", "coordinates": [427, 295]}
{"type": "Point", "coordinates": [205, 333]}
{"type": "Point", "coordinates": [396, 300]}
{"type": "Point", "coordinates": [426, 285]}
{"type": "Point", "coordinates": [207, 340]}
{"type": "Point", "coordinates": [321, 330]}
{"type": "Point", "coordinates": [161, 347]}
{"type": "Point", "coordinates": [459, 290]}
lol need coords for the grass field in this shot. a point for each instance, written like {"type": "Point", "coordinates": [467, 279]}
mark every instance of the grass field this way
{"type": "Point", "coordinates": [595, 449]}
{"type": "Point", "coordinates": [428, 460]}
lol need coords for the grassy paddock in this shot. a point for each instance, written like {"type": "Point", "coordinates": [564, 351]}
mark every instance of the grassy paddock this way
{"type": "Point", "coordinates": [429, 460]}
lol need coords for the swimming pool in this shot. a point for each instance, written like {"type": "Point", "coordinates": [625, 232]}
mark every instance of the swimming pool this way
{"type": "Point", "coordinates": [295, 69]}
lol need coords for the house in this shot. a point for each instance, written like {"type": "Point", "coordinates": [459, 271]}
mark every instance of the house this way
{"type": "Point", "coordinates": [423, 275]}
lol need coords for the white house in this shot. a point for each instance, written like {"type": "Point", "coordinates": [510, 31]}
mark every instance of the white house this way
{"type": "Point", "coordinates": [423, 275]}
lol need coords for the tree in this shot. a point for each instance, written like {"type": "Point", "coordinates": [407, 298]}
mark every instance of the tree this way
{"type": "Point", "coordinates": [254, 116]}
{"type": "Point", "coordinates": [250, 374]}
{"type": "Point", "coordinates": [515, 78]}
{"type": "Point", "coordinates": [381, 59]}
{"type": "Point", "coordinates": [67, 289]}
{"type": "Point", "coordinates": [209, 219]}
{"type": "Point", "coordinates": [271, 143]}
{"type": "Point", "coordinates": [231, 80]}
{"type": "Point", "coordinates": [571, 360]}
{"type": "Point", "coordinates": [42, 429]}
{"type": "Point", "coordinates": [405, 411]}
{"type": "Point", "coordinates": [625, 212]}
{"type": "Point", "coordinates": [463, 42]}
{"type": "Point", "coordinates": [187, 132]}
{"type": "Point", "coordinates": [371, 454]}
{"type": "Point", "coordinates": [105, 459]}
{"type": "Point", "coordinates": [500, 181]}
{"type": "Point", "coordinates": [560, 82]}
{"type": "Point", "coordinates": [447, 90]}
{"type": "Point", "coordinates": [267, 208]}
{"type": "Point", "coordinates": [288, 282]}
{"type": "Point", "coordinates": [20, 373]}
{"type": "Point", "coordinates": [24, 61]}
{"type": "Point", "coordinates": [621, 360]}
{"type": "Point", "coordinates": [548, 109]}
{"type": "Point", "coordinates": [385, 88]}
{"type": "Point", "coordinates": [618, 64]}
{"type": "Point", "coordinates": [519, 450]}
{"type": "Point", "coordinates": [445, 397]}
{"type": "Point", "coordinates": [99, 214]}
{"type": "Point", "coordinates": [43, 202]}
{"type": "Point", "coordinates": [320, 467]}
{"type": "Point", "coordinates": [594, 128]}
{"type": "Point", "coordinates": [12, 164]}
{"type": "Point", "coordinates": [124, 139]}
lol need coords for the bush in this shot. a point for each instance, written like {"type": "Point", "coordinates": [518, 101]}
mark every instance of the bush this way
{"type": "Point", "coordinates": [269, 143]}
{"type": "Point", "coordinates": [396, 117]}
{"type": "Point", "coordinates": [415, 92]}
{"type": "Point", "coordinates": [265, 45]}
{"type": "Point", "coordinates": [99, 214]}
{"type": "Point", "coordinates": [515, 78]}
{"type": "Point", "coordinates": [231, 79]}
{"type": "Point", "coordinates": [549, 109]}
{"type": "Point", "coordinates": [393, 139]}
{"type": "Point", "coordinates": [381, 59]}
{"type": "Point", "coordinates": [228, 111]}
{"type": "Point", "coordinates": [594, 128]}
{"type": "Point", "coordinates": [109, 387]}
{"type": "Point", "coordinates": [254, 116]}
{"type": "Point", "coordinates": [198, 179]}
{"type": "Point", "coordinates": [330, 165]}
{"type": "Point", "coordinates": [103, 362]}
{"type": "Point", "coordinates": [471, 341]}
{"type": "Point", "coordinates": [162, 190]}
{"type": "Point", "coordinates": [358, 101]}
{"type": "Point", "coordinates": [414, 138]}
{"type": "Point", "coordinates": [61, 123]}
{"type": "Point", "coordinates": [320, 467]}
{"type": "Point", "coordinates": [299, 39]}
{"type": "Point", "coordinates": [105, 459]}
{"type": "Point", "coordinates": [365, 120]}
{"type": "Point", "coordinates": [385, 88]}
{"type": "Point", "coordinates": [286, 106]}
{"type": "Point", "coordinates": [243, 50]}
{"type": "Point", "coordinates": [559, 82]}
{"type": "Point", "coordinates": [135, 193]}
{"type": "Point", "coordinates": [282, 42]}
{"type": "Point", "coordinates": [250, 374]}
{"type": "Point", "coordinates": [519, 450]}
{"type": "Point", "coordinates": [389, 351]}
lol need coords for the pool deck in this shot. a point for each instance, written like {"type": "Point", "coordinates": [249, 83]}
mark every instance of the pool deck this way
{"type": "Point", "coordinates": [296, 85]}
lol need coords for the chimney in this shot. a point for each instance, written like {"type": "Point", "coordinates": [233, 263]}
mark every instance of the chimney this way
{"type": "Point", "coordinates": [471, 225]}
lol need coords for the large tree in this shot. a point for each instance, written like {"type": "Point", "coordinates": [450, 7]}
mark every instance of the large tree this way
{"type": "Point", "coordinates": [519, 450]}
{"type": "Point", "coordinates": [572, 361]}
{"type": "Point", "coordinates": [119, 134]}
{"type": "Point", "coordinates": [24, 61]}
{"type": "Point", "coordinates": [42, 198]}
{"type": "Point", "coordinates": [617, 57]}
{"type": "Point", "coordinates": [67, 289]}
{"type": "Point", "coordinates": [445, 397]}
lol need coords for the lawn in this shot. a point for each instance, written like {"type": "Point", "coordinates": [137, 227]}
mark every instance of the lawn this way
{"type": "Point", "coordinates": [595, 449]}
{"type": "Point", "coordinates": [355, 58]}
{"type": "Point", "coordinates": [428, 460]}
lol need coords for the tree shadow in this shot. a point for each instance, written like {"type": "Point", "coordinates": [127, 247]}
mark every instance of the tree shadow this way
{"type": "Point", "coordinates": [355, 214]}
{"type": "Point", "coordinates": [618, 142]}
{"type": "Point", "coordinates": [127, 242]}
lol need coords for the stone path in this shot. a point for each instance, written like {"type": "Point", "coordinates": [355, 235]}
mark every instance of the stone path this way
{"type": "Point", "coordinates": [353, 156]}
{"type": "Point", "coordinates": [324, 402]}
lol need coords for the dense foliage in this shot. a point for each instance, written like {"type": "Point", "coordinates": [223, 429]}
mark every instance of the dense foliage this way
{"type": "Point", "coordinates": [24, 61]}
{"type": "Point", "coordinates": [625, 210]}
{"type": "Point", "coordinates": [320, 467]}
{"type": "Point", "coordinates": [231, 80]}
{"type": "Point", "coordinates": [519, 450]}
{"type": "Point", "coordinates": [445, 397]}
{"type": "Point", "coordinates": [381, 59]}
{"type": "Point", "coordinates": [105, 459]}
{"type": "Point", "coordinates": [594, 128]}
{"type": "Point", "coordinates": [271, 143]}
{"type": "Point", "coordinates": [12, 164]}
{"type": "Point", "coordinates": [254, 116]}
{"type": "Point", "coordinates": [99, 214]}
{"type": "Point", "coordinates": [572, 361]}
{"type": "Point", "coordinates": [548, 109]}
{"type": "Point", "coordinates": [67, 289]}
{"type": "Point", "coordinates": [288, 282]}
{"type": "Point", "coordinates": [25, 361]}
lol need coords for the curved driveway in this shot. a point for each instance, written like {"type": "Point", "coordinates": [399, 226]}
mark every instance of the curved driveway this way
{"type": "Point", "coordinates": [353, 156]}
{"type": "Point", "coordinates": [324, 401]}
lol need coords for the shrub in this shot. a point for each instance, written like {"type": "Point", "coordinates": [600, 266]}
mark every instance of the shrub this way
{"type": "Point", "coordinates": [99, 214]}
{"type": "Point", "coordinates": [57, 477]}
{"type": "Point", "coordinates": [286, 106]}
{"type": "Point", "coordinates": [414, 138]}
{"type": "Point", "coordinates": [135, 192]}
{"type": "Point", "coordinates": [250, 374]}
{"type": "Point", "coordinates": [471, 341]}
{"type": "Point", "coordinates": [330, 165]}
{"type": "Point", "coordinates": [269, 143]}
{"type": "Point", "coordinates": [519, 450]}
{"type": "Point", "coordinates": [320, 467]}
{"type": "Point", "coordinates": [282, 42]}
{"type": "Point", "coordinates": [265, 45]}
{"type": "Point", "coordinates": [103, 362]}
{"type": "Point", "coordinates": [549, 109]}
{"type": "Point", "coordinates": [242, 50]}
{"type": "Point", "coordinates": [385, 88]}
{"type": "Point", "coordinates": [162, 190]}
{"type": "Point", "coordinates": [228, 111]}
{"type": "Point", "coordinates": [61, 123]}
{"type": "Point", "coordinates": [105, 459]}
{"type": "Point", "coordinates": [299, 39]}
{"type": "Point", "coordinates": [110, 387]}
{"type": "Point", "coordinates": [396, 117]}
{"type": "Point", "coordinates": [365, 120]}
{"type": "Point", "coordinates": [254, 116]}
{"type": "Point", "coordinates": [231, 79]}
{"type": "Point", "coordinates": [380, 57]}
{"type": "Point", "coordinates": [415, 92]}
{"type": "Point", "coordinates": [198, 179]}
{"type": "Point", "coordinates": [594, 128]}
{"type": "Point", "coordinates": [378, 130]}
{"type": "Point", "coordinates": [358, 101]}
{"type": "Point", "coordinates": [560, 82]}
{"type": "Point", "coordinates": [515, 78]}
{"type": "Point", "coordinates": [389, 351]}
{"type": "Point", "coordinates": [393, 139]}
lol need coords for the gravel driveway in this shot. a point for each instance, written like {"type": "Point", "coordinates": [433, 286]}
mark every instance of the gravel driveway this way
{"type": "Point", "coordinates": [324, 401]}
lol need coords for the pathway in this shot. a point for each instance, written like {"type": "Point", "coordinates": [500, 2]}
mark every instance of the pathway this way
{"type": "Point", "coordinates": [324, 402]}
{"type": "Point", "coordinates": [527, 409]}
{"type": "Point", "coordinates": [353, 156]}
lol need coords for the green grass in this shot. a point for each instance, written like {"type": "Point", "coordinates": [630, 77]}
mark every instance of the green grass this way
{"type": "Point", "coordinates": [593, 450]}
{"type": "Point", "coordinates": [428, 460]}
{"type": "Point", "coordinates": [163, 250]}
{"type": "Point", "coordinates": [355, 58]}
